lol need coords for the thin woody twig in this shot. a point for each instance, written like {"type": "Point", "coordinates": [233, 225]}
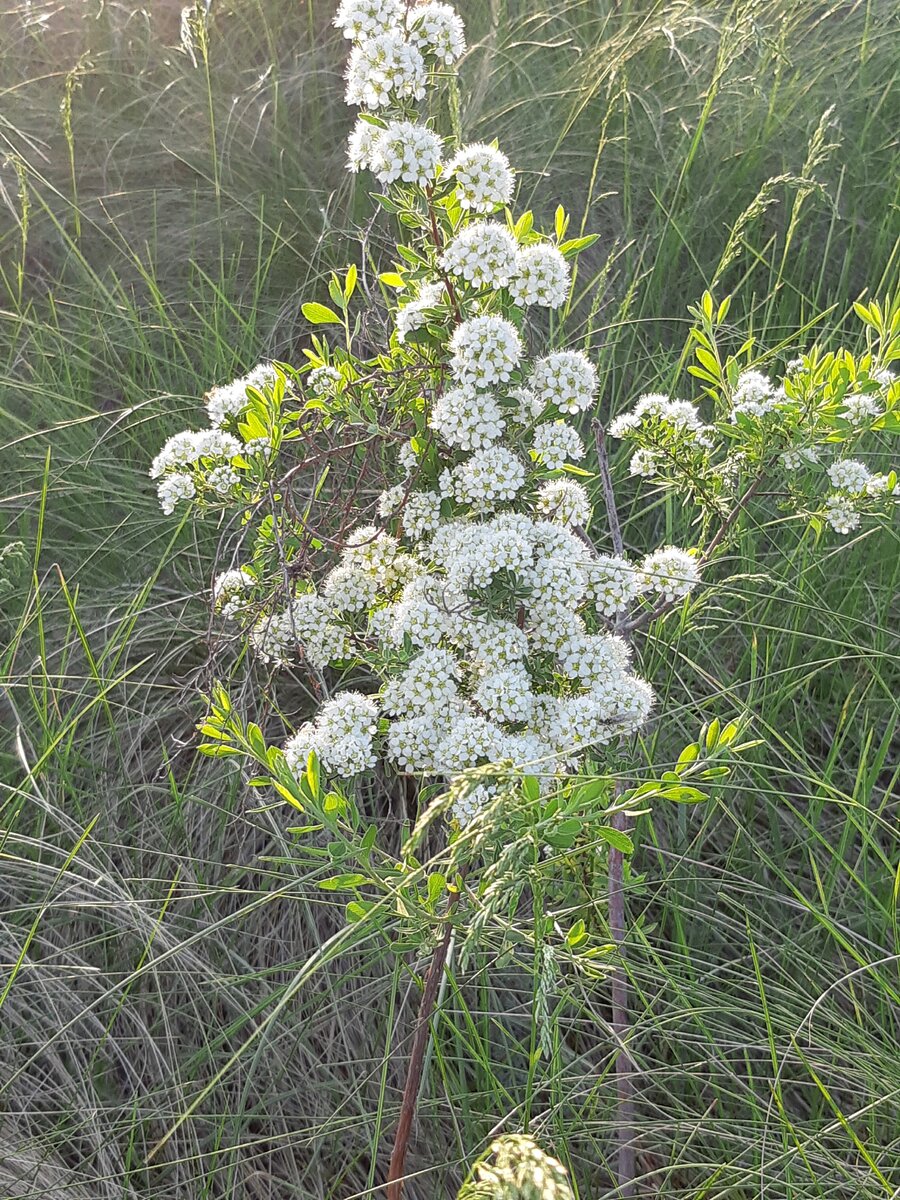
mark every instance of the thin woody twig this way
{"type": "Point", "coordinates": [651, 614]}
{"type": "Point", "coordinates": [417, 1055]}
{"type": "Point", "coordinates": [609, 497]}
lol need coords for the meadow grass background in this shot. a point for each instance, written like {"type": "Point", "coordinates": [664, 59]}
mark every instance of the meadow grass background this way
{"type": "Point", "coordinates": [166, 205]}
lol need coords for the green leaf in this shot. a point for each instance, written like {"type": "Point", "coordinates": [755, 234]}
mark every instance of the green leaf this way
{"type": "Point", "coordinates": [684, 795]}
{"type": "Point", "coordinates": [318, 314]}
{"type": "Point", "coordinates": [688, 755]}
{"type": "Point", "coordinates": [358, 910]}
{"type": "Point", "coordinates": [313, 774]}
{"type": "Point", "coordinates": [576, 245]}
{"type": "Point", "coordinates": [616, 838]}
{"type": "Point", "coordinates": [392, 280]}
{"type": "Point", "coordinates": [338, 882]}
{"type": "Point", "coordinates": [350, 281]}
{"type": "Point", "coordinates": [531, 787]}
{"type": "Point", "coordinates": [437, 885]}
{"type": "Point", "coordinates": [712, 735]}
{"type": "Point", "coordinates": [561, 223]}
{"type": "Point", "coordinates": [576, 935]}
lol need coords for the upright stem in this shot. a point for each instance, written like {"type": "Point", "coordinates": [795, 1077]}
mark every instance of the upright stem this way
{"type": "Point", "coordinates": [430, 993]}
{"type": "Point", "coordinates": [621, 1024]}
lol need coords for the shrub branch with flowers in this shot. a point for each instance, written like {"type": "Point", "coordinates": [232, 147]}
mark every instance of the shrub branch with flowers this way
{"type": "Point", "coordinates": [490, 616]}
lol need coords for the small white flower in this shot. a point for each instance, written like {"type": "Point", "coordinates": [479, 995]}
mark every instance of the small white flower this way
{"type": "Point", "coordinates": [542, 277]}
{"type": "Point", "coordinates": [487, 478]}
{"type": "Point", "coordinates": [176, 487]}
{"type": "Point", "coordinates": [754, 395]}
{"type": "Point", "coordinates": [565, 378]}
{"type": "Point", "coordinates": [556, 443]}
{"type": "Point", "coordinates": [485, 350]}
{"type": "Point", "coordinates": [437, 29]}
{"type": "Point", "coordinates": [349, 589]}
{"type": "Point", "coordinates": [359, 19]}
{"type": "Point", "coordinates": [849, 475]}
{"type": "Point", "coordinates": [861, 408]}
{"type": "Point", "coordinates": [565, 501]}
{"type": "Point", "coordinates": [384, 69]}
{"type": "Point", "coordinates": [323, 381]}
{"type": "Point", "coordinates": [484, 178]}
{"type": "Point", "coordinates": [612, 583]}
{"type": "Point", "coordinates": [483, 253]}
{"type": "Point", "coordinates": [644, 463]}
{"type": "Point", "coordinates": [412, 315]}
{"type": "Point", "coordinates": [361, 143]}
{"type": "Point", "coordinates": [671, 572]}
{"type": "Point", "coordinates": [229, 591]}
{"type": "Point", "coordinates": [408, 152]}
{"type": "Point", "coordinates": [467, 419]}
{"type": "Point", "coordinates": [841, 514]}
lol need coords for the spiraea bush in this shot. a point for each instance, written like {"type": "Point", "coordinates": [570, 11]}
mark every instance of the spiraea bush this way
{"type": "Point", "coordinates": [485, 608]}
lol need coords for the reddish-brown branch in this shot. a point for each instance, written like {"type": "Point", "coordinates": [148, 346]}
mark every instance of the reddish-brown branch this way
{"type": "Point", "coordinates": [417, 1056]}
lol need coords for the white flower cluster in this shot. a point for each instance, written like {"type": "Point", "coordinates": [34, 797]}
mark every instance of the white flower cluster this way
{"type": "Point", "coordinates": [193, 458]}
{"type": "Point", "coordinates": [306, 625]}
{"type": "Point", "coordinates": [226, 402]}
{"type": "Point", "coordinates": [483, 253]}
{"type": "Point", "coordinates": [467, 419]}
{"type": "Point", "coordinates": [437, 30]}
{"type": "Point", "coordinates": [484, 178]}
{"type": "Point", "coordinates": [566, 379]}
{"type": "Point", "coordinates": [485, 350]}
{"type": "Point", "coordinates": [342, 736]}
{"type": "Point", "coordinates": [384, 69]}
{"type": "Point", "coordinates": [519, 1170]}
{"type": "Point", "coordinates": [556, 443]}
{"type": "Point", "coordinates": [803, 456]}
{"type": "Point", "coordinates": [542, 277]}
{"type": "Point", "coordinates": [613, 583]}
{"type": "Point", "coordinates": [841, 514]}
{"type": "Point", "coordinates": [671, 572]}
{"type": "Point", "coordinates": [492, 475]}
{"type": "Point", "coordinates": [413, 314]}
{"type": "Point", "coordinates": [860, 408]}
{"type": "Point", "coordinates": [849, 475]}
{"type": "Point", "coordinates": [323, 381]}
{"type": "Point", "coordinates": [229, 592]}
{"type": "Point", "coordinates": [405, 151]}
{"type": "Point", "coordinates": [565, 501]}
{"type": "Point", "coordinates": [359, 19]}
{"type": "Point", "coordinates": [753, 396]}
{"type": "Point", "coordinates": [656, 409]}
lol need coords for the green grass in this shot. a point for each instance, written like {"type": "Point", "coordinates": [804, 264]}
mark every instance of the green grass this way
{"type": "Point", "coordinates": [160, 949]}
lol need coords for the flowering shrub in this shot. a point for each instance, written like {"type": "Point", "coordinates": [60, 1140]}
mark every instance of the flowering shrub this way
{"type": "Point", "coordinates": [488, 622]}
